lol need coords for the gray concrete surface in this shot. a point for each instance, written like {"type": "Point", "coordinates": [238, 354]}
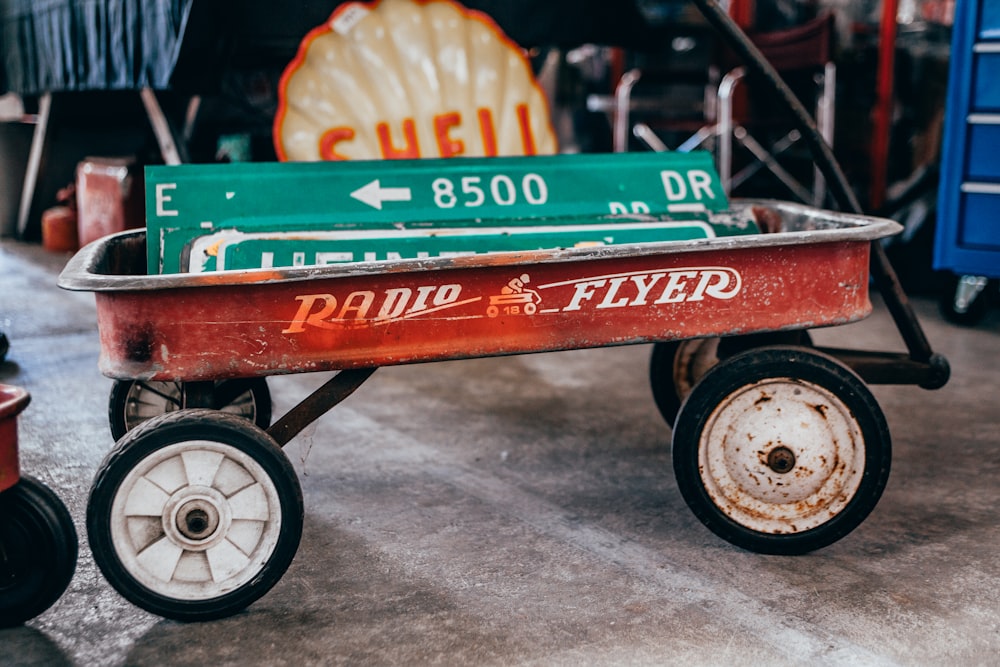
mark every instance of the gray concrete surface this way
{"type": "Point", "coordinates": [522, 511]}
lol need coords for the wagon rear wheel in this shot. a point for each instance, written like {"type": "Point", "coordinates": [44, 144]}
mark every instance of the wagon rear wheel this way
{"type": "Point", "coordinates": [38, 550]}
{"type": "Point", "coordinates": [781, 450]}
{"type": "Point", "coordinates": [134, 401]}
{"type": "Point", "coordinates": [676, 366]}
{"type": "Point", "coordinates": [194, 515]}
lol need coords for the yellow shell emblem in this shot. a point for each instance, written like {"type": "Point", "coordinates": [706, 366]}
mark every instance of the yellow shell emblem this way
{"type": "Point", "coordinates": [409, 79]}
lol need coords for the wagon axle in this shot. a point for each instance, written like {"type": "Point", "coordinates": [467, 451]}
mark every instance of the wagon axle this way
{"type": "Point", "coordinates": [197, 520]}
{"type": "Point", "coordinates": [781, 460]}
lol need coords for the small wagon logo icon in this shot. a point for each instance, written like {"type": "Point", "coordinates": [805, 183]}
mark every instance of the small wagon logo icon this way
{"type": "Point", "coordinates": [515, 299]}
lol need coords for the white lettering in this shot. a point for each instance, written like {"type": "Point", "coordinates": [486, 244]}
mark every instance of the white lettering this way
{"type": "Point", "coordinates": [584, 291]}
{"type": "Point", "coordinates": [608, 300]}
{"type": "Point", "coordinates": [717, 283]}
{"type": "Point", "coordinates": [395, 302]}
{"type": "Point", "coordinates": [324, 258]}
{"type": "Point", "coordinates": [423, 292]}
{"type": "Point", "coordinates": [305, 315]}
{"type": "Point", "coordinates": [644, 287]}
{"type": "Point", "coordinates": [361, 310]}
{"type": "Point", "coordinates": [681, 285]}
{"type": "Point", "coordinates": [162, 198]}
{"type": "Point", "coordinates": [701, 182]}
{"type": "Point", "coordinates": [447, 294]}
{"type": "Point", "coordinates": [674, 290]}
{"type": "Point", "coordinates": [673, 185]}
{"type": "Point", "coordinates": [697, 183]}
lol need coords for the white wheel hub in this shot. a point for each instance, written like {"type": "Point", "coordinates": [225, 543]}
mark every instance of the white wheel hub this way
{"type": "Point", "coordinates": [781, 456]}
{"type": "Point", "coordinates": [195, 520]}
{"type": "Point", "coordinates": [197, 517]}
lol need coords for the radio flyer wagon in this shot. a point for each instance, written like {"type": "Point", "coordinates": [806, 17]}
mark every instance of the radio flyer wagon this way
{"type": "Point", "coordinates": [778, 448]}
{"type": "Point", "coordinates": [38, 542]}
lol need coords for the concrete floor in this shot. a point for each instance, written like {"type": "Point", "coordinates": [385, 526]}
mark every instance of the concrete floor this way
{"type": "Point", "coordinates": [523, 511]}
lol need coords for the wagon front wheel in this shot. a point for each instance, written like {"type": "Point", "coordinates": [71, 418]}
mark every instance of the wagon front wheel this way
{"type": "Point", "coordinates": [194, 515]}
{"type": "Point", "coordinates": [134, 401]}
{"type": "Point", "coordinates": [781, 450]}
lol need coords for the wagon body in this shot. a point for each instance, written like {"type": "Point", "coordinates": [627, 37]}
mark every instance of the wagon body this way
{"type": "Point", "coordinates": [811, 271]}
{"type": "Point", "coordinates": [198, 466]}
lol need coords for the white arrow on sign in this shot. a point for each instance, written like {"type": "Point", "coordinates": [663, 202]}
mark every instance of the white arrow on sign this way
{"type": "Point", "coordinates": [374, 194]}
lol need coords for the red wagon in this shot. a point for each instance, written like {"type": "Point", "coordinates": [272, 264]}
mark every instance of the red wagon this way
{"type": "Point", "coordinates": [778, 447]}
{"type": "Point", "coordinates": [38, 542]}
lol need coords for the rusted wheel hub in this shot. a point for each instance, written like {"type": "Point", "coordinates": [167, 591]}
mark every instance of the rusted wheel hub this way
{"type": "Point", "coordinates": [781, 455]}
{"type": "Point", "coordinates": [781, 460]}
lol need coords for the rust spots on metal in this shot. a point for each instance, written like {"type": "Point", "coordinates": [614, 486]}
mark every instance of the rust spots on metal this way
{"type": "Point", "coordinates": [801, 472]}
{"type": "Point", "coordinates": [821, 409]}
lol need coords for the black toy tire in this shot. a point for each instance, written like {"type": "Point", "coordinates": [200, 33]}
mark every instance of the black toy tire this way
{"type": "Point", "coordinates": [247, 397]}
{"type": "Point", "coordinates": [781, 450]}
{"type": "Point", "coordinates": [676, 366]}
{"type": "Point", "coordinates": [38, 550]}
{"type": "Point", "coordinates": [220, 532]}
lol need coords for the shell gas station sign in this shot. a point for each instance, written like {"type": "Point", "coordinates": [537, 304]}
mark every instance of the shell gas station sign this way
{"type": "Point", "coordinates": [406, 79]}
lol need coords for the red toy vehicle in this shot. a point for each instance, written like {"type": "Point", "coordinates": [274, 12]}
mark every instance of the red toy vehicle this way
{"type": "Point", "coordinates": [38, 542]}
{"type": "Point", "coordinates": [196, 513]}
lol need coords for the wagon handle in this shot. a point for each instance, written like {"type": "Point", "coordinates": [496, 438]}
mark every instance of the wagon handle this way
{"type": "Point", "coordinates": [884, 275]}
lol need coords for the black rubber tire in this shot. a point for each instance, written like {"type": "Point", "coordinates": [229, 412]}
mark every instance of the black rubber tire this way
{"type": "Point", "coordinates": [248, 450]}
{"type": "Point", "coordinates": [800, 371]}
{"type": "Point", "coordinates": [252, 393]}
{"type": "Point", "coordinates": [661, 380]}
{"type": "Point", "coordinates": [38, 550]}
{"type": "Point", "coordinates": [676, 366]}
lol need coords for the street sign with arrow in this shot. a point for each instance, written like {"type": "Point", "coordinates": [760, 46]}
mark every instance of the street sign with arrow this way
{"type": "Point", "coordinates": [374, 194]}
{"type": "Point", "coordinates": [185, 202]}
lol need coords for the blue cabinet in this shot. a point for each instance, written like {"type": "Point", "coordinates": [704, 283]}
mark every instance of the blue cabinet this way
{"type": "Point", "coordinates": [968, 225]}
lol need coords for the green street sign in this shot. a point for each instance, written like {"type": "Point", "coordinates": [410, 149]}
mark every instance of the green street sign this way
{"type": "Point", "coordinates": [231, 250]}
{"type": "Point", "coordinates": [186, 202]}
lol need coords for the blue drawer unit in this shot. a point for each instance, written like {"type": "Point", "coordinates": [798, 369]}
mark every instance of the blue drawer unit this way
{"type": "Point", "coordinates": [968, 226]}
